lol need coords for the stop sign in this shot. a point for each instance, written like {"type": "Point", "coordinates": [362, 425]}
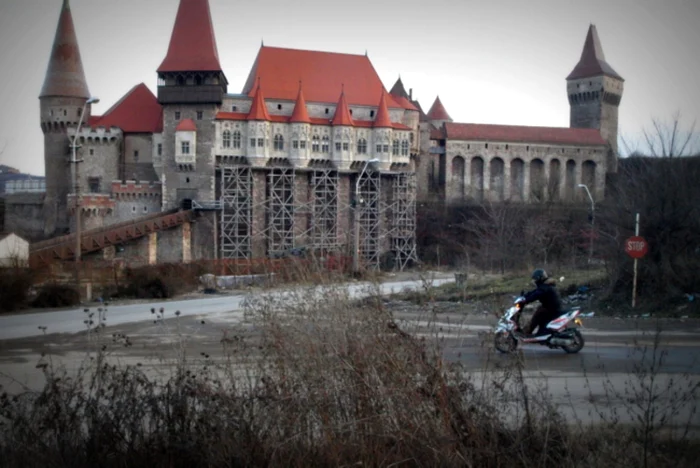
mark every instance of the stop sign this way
{"type": "Point", "coordinates": [636, 247]}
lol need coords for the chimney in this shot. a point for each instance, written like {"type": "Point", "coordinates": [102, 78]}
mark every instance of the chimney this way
{"type": "Point", "coordinates": [410, 94]}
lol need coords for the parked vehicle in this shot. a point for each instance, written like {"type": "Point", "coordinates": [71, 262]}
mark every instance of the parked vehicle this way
{"type": "Point", "coordinates": [562, 332]}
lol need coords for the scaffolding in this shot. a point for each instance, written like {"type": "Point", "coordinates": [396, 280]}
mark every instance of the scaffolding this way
{"type": "Point", "coordinates": [368, 211]}
{"type": "Point", "coordinates": [280, 210]}
{"type": "Point", "coordinates": [236, 212]}
{"type": "Point", "coordinates": [324, 211]}
{"type": "Point", "coordinates": [402, 211]}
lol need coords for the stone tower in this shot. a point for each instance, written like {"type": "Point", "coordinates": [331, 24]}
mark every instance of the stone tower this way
{"type": "Point", "coordinates": [62, 98]}
{"type": "Point", "coordinates": [595, 91]}
{"type": "Point", "coordinates": [191, 85]}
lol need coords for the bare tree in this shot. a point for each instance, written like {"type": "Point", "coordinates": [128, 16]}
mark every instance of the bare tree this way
{"type": "Point", "coordinates": [666, 139]}
{"type": "Point", "coordinates": [662, 186]}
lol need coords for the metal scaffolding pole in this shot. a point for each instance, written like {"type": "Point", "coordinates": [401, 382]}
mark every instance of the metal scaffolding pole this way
{"type": "Point", "coordinates": [403, 219]}
{"type": "Point", "coordinates": [369, 217]}
{"type": "Point", "coordinates": [280, 210]}
{"type": "Point", "coordinates": [324, 219]}
{"type": "Point", "coordinates": [237, 211]}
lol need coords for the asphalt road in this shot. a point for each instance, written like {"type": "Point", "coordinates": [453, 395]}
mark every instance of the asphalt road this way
{"type": "Point", "coordinates": [616, 349]}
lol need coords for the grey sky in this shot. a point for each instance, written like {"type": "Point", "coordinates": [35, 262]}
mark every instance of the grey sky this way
{"type": "Point", "coordinates": [497, 61]}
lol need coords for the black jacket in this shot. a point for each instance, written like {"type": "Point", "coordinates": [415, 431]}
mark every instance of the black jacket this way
{"type": "Point", "coordinates": [547, 294]}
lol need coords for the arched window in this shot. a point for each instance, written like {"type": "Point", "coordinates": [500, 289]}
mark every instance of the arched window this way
{"type": "Point", "coordinates": [278, 142]}
{"type": "Point", "coordinates": [236, 139]}
{"type": "Point", "coordinates": [361, 146]}
{"type": "Point", "coordinates": [326, 147]}
{"type": "Point", "coordinates": [315, 144]}
{"type": "Point", "coordinates": [395, 148]}
{"type": "Point", "coordinates": [226, 139]}
{"type": "Point", "coordinates": [404, 148]}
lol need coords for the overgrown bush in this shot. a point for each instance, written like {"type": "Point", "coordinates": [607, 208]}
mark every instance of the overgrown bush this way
{"type": "Point", "coordinates": [15, 284]}
{"type": "Point", "coordinates": [157, 281]}
{"type": "Point", "coordinates": [56, 295]}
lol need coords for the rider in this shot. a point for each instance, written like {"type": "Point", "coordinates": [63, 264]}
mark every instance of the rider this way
{"type": "Point", "coordinates": [550, 301]}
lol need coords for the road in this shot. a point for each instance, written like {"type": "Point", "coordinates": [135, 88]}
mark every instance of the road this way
{"type": "Point", "coordinates": [28, 325]}
{"type": "Point", "coordinates": [614, 349]}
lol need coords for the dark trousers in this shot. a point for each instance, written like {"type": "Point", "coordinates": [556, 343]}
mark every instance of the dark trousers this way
{"type": "Point", "coordinates": [541, 318]}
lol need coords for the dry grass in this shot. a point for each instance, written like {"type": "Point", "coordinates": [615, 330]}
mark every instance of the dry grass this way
{"type": "Point", "coordinates": [320, 381]}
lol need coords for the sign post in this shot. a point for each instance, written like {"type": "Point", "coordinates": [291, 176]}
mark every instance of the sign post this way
{"type": "Point", "coordinates": [636, 247]}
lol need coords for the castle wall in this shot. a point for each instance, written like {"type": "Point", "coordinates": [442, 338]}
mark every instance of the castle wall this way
{"type": "Point", "coordinates": [23, 215]}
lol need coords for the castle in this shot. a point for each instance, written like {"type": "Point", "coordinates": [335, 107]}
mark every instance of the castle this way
{"type": "Point", "coordinates": [311, 153]}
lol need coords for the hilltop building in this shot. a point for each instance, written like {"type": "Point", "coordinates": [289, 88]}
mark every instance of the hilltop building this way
{"type": "Point", "coordinates": [311, 145]}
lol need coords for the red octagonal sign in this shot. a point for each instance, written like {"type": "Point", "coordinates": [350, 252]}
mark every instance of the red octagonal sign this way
{"type": "Point", "coordinates": [636, 247]}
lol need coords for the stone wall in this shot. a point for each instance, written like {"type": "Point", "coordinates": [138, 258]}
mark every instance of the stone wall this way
{"type": "Point", "coordinates": [23, 215]}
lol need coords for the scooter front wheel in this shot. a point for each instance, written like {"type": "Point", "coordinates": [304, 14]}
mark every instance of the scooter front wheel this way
{"type": "Point", "coordinates": [505, 342]}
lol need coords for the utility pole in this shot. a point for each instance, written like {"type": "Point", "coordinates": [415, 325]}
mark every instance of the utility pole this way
{"type": "Point", "coordinates": [76, 187]}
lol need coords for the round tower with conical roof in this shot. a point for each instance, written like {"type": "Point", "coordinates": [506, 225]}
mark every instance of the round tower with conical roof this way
{"type": "Point", "coordinates": [62, 99]}
{"type": "Point", "coordinates": [595, 91]}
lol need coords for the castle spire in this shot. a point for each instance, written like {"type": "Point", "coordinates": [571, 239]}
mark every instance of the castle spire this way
{"type": "Point", "coordinates": [592, 61]}
{"type": "Point", "coordinates": [65, 75]}
{"type": "Point", "coordinates": [258, 111]}
{"type": "Point", "coordinates": [193, 43]}
{"type": "Point", "coordinates": [383, 120]}
{"type": "Point", "coordinates": [300, 114]}
{"type": "Point", "coordinates": [438, 112]}
{"type": "Point", "coordinates": [398, 89]}
{"type": "Point", "coordinates": [342, 112]}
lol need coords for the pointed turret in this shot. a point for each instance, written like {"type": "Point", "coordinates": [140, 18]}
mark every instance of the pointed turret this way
{"type": "Point", "coordinates": [258, 110]}
{"type": "Point", "coordinates": [592, 61]}
{"type": "Point", "coordinates": [65, 76]}
{"type": "Point", "coordinates": [383, 120]}
{"type": "Point", "coordinates": [192, 44]}
{"type": "Point", "coordinates": [437, 111]}
{"type": "Point", "coordinates": [191, 72]}
{"type": "Point", "coordinates": [595, 91]}
{"type": "Point", "coordinates": [300, 114]}
{"type": "Point", "coordinates": [342, 113]}
{"type": "Point", "coordinates": [399, 90]}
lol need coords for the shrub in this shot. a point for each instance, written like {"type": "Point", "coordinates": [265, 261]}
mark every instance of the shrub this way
{"type": "Point", "coordinates": [15, 284]}
{"type": "Point", "coordinates": [56, 295]}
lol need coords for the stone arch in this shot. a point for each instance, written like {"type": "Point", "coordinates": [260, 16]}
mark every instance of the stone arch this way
{"type": "Point", "coordinates": [554, 185]}
{"type": "Point", "coordinates": [517, 179]}
{"type": "Point", "coordinates": [496, 182]}
{"type": "Point", "coordinates": [458, 168]}
{"type": "Point", "coordinates": [588, 173]}
{"type": "Point", "coordinates": [477, 178]}
{"type": "Point", "coordinates": [570, 179]}
{"type": "Point", "coordinates": [537, 181]}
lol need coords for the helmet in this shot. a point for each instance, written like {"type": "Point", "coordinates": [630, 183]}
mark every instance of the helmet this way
{"type": "Point", "coordinates": [539, 276]}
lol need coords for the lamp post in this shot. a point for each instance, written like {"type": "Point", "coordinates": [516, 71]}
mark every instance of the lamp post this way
{"type": "Point", "coordinates": [590, 254]}
{"type": "Point", "coordinates": [76, 185]}
{"type": "Point", "coordinates": [356, 218]}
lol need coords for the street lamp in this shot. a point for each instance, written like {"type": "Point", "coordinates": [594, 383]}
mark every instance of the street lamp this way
{"type": "Point", "coordinates": [76, 185]}
{"type": "Point", "coordinates": [356, 219]}
{"type": "Point", "coordinates": [590, 254]}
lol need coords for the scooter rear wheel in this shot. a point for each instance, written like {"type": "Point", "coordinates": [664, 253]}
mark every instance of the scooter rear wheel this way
{"type": "Point", "coordinates": [579, 342]}
{"type": "Point", "coordinates": [505, 342]}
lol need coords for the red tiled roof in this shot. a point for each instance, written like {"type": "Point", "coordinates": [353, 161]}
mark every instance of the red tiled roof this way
{"type": "Point", "coordinates": [192, 44]}
{"type": "Point", "coordinates": [300, 114]}
{"type": "Point", "coordinates": [258, 111]}
{"type": "Point", "coordinates": [138, 111]}
{"type": "Point", "coordinates": [436, 133]}
{"type": "Point", "coordinates": [382, 120]}
{"type": "Point", "coordinates": [404, 103]}
{"type": "Point", "coordinates": [342, 112]}
{"type": "Point", "coordinates": [521, 134]}
{"type": "Point", "coordinates": [65, 75]}
{"type": "Point", "coordinates": [592, 62]}
{"type": "Point", "coordinates": [323, 74]}
{"type": "Point", "coordinates": [437, 111]}
{"type": "Point", "coordinates": [186, 125]}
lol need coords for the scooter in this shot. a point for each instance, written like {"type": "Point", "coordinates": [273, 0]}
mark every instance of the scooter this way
{"type": "Point", "coordinates": [557, 334]}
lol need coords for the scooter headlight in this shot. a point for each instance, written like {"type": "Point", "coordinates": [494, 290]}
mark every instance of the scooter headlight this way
{"type": "Point", "coordinates": [578, 322]}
